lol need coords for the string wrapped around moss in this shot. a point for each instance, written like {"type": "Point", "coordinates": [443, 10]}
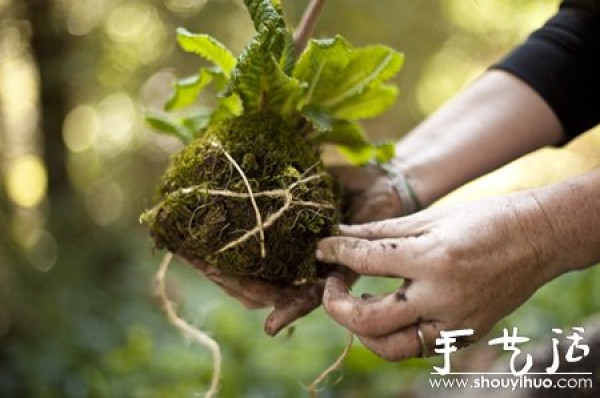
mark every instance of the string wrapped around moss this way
{"type": "Point", "coordinates": [206, 209]}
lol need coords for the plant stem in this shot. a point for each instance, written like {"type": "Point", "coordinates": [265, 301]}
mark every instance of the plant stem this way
{"type": "Point", "coordinates": [307, 24]}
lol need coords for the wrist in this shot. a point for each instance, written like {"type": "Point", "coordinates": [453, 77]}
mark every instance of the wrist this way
{"type": "Point", "coordinates": [572, 213]}
{"type": "Point", "coordinates": [403, 188]}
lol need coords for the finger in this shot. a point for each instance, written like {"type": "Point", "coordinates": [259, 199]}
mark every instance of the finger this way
{"type": "Point", "coordinates": [401, 227]}
{"type": "Point", "coordinates": [372, 317]}
{"type": "Point", "coordinates": [293, 305]}
{"type": "Point", "coordinates": [386, 257]}
{"type": "Point", "coordinates": [395, 346]}
{"type": "Point", "coordinates": [405, 343]}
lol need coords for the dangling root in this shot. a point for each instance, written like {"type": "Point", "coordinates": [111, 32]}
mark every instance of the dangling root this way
{"type": "Point", "coordinates": [188, 330]}
{"type": "Point", "coordinates": [313, 387]}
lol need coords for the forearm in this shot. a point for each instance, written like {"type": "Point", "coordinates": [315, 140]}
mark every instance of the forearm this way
{"type": "Point", "coordinates": [571, 211]}
{"type": "Point", "coordinates": [494, 121]}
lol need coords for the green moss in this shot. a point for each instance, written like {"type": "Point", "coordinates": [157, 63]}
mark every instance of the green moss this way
{"type": "Point", "coordinates": [273, 156]}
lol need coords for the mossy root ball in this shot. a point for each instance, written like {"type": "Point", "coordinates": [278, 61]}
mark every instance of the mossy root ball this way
{"type": "Point", "coordinates": [205, 210]}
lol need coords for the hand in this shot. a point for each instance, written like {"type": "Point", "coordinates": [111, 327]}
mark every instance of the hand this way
{"type": "Point", "coordinates": [463, 267]}
{"type": "Point", "coordinates": [370, 193]}
{"type": "Point", "coordinates": [289, 303]}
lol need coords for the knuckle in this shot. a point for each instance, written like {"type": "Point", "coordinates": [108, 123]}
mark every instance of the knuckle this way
{"type": "Point", "coordinates": [447, 258]}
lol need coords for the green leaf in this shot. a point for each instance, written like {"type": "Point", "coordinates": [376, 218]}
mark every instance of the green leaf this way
{"type": "Point", "coordinates": [208, 48]}
{"type": "Point", "coordinates": [167, 125]}
{"type": "Point", "coordinates": [320, 118]}
{"type": "Point", "coordinates": [346, 133]}
{"type": "Point", "coordinates": [260, 81]}
{"type": "Point", "coordinates": [288, 59]}
{"type": "Point", "coordinates": [321, 62]}
{"type": "Point", "coordinates": [343, 79]}
{"type": "Point", "coordinates": [268, 15]}
{"type": "Point", "coordinates": [278, 6]}
{"type": "Point", "coordinates": [358, 155]}
{"type": "Point", "coordinates": [385, 152]}
{"type": "Point", "coordinates": [372, 102]}
{"type": "Point", "coordinates": [198, 122]}
{"type": "Point", "coordinates": [368, 65]}
{"type": "Point", "coordinates": [265, 13]}
{"type": "Point", "coordinates": [365, 153]}
{"type": "Point", "coordinates": [188, 89]}
{"type": "Point", "coordinates": [227, 108]}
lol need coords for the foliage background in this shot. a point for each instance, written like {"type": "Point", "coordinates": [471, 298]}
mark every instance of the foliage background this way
{"type": "Point", "coordinates": [77, 166]}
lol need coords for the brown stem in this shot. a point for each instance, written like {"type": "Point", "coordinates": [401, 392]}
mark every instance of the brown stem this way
{"type": "Point", "coordinates": [307, 24]}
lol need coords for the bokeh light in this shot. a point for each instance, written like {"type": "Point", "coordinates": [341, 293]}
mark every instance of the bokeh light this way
{"type": "Point", "coordinates": [42, 251]}
{"type": "Point", "coordinates": [117, 116]}
{"type": "Point", "coordinates": [26, 181]}
{"type": "Point", "coordinates": [185, 6]}
{"type": "Point", "coordinates": [85, 15]}
{"type": "Point", "coordinates": [129, 21]}
{"type": "Point", "coordinates": [80, 128]}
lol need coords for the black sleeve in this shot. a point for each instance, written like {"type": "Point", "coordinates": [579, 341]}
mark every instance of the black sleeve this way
{"type": "Point", "coordinates": [561, 61]}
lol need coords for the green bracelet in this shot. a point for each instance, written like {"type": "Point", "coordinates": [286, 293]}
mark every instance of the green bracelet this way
{"type": "Point", "coordinates": [408, 198]}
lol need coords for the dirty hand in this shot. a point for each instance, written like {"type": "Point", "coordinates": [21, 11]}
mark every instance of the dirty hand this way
{"type": "Point", "coordinates": [370, 195]}
{"type": "Point", "coordinates": [463, 267]}
{"type": "Point", "coordinates": [289, 303]}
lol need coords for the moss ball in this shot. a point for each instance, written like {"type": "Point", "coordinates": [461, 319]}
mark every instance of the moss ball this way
{"type": "Point", "coordinates": [195, 219]}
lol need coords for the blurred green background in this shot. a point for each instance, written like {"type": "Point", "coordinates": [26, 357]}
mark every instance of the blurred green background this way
{"type": "Point", "coordinates": [77, 166]}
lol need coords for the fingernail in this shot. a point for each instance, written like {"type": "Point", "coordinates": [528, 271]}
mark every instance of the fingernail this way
{"type": "Point", "coordinates": [319, 254]}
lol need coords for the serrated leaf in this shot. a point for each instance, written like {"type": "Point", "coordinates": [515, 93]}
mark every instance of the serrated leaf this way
{"type": "Point", "coordinates": [228, 108]}
{"type": "Point", "coordinates": [278, 6]}
{"type": "Point", "coordinates": [322, 61]}
{"type": "Point", "coordinates": [265, 13]}
{"type": "Point", "coordinates": [367, 66]}
{"type": "Point", "coordinates": [260, 81]}
{"type": "Point", "coordinates": [372, 102]}
{"type": "Point", "coordinates": [208, 48]}
{"type": "Point", "coordinates": [339, 76]}
{"type": "Point", "coordinates": [188, 89]}
{"type": "Point", "coordinates": [169, 126]}
{"type": "Point", "coordinates": [288, 57]}
{"type": "Point", "coordinates": [267, 16]}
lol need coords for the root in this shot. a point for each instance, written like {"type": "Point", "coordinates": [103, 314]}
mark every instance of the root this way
{"type": "Point", "coordinates": [285, 194]}
{"type": "Point", "coordinates": [313, 387]}
{"type": "Point", "coordinates": [185, 328]}
{"type": "Point", "coordinates": [259, 223]}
